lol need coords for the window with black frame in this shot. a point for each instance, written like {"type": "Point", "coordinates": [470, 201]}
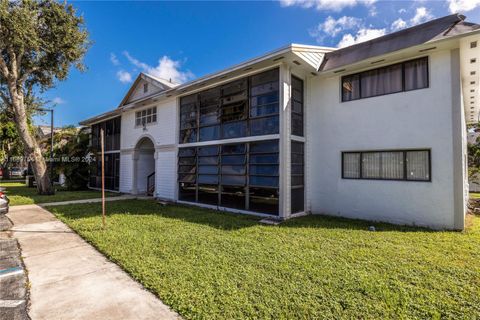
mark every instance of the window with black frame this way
{"type": "Point", "coordinates": [297, 106]}
{"type": "Point", "coordinates": [146, 116]}
{"type": "Point", "coordinates": [297, 176]}
{"type": "Point", "coordinates": [405, 76]}
{"type": "Point", "coordinates": [244, 107]}
{"type": "Point", "coordinates": [407, 165]}
{"type": "Point", "coordinates": [241, 176]}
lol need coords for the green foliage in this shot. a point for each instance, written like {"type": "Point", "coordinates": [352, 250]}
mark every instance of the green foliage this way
{"type": "Point", "coordinates": [212, 265]}
{"type": "Point", "coordinates": [71, 147]}
{"type": "Point", "coordinates": [46, 36]}
{"type": "Point", "coordinates": [39, 41]}
{"type": "Point", "coordinates": [20, 194]}
{"type": "Point", "coordinates": [474, 154]}
{"type": "Point", "coordinates": [10, 143]}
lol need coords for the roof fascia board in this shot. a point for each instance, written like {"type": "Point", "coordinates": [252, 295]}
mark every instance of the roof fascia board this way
{"type": "Point", "coordinates": [230, 79]}
{"type": "Point", "coordinates": [174, 92]}
{"type": "Point", "coordinates": [100, 118]}
{"type": "Point", "coordinates": [177, 90]}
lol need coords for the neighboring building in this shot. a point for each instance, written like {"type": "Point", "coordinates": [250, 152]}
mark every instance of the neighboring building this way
{"type": "Point", "coordinates": [373, 131]}
{"type": "Point", "coordinates": [43, 132]}
{"type": "Point", "coordinates": [472, 136]}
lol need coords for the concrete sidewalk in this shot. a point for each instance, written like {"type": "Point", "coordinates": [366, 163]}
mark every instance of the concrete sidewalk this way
{"type": "Point", "coordinates": [70, 279]}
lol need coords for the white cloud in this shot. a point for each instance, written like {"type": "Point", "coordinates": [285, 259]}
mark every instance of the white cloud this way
{"type": "Point", "coordinates": [362, 35]}
{"type": "Point", "coordinates": [124, 76]}
{"type": "Point", "coordinates": [333, 5]}
{"type": "Point", "coordinates": [114, 59]}
{"type": "Point", "coordinates": [58, 100]}
{"type": "Point", "coordinates": [166, 69]}
{"type": "Point", "coordinates": [421, 15]}
{"type": "Point", "coordinates": [462, 5]}
{"type": "Point", "coordinates": [398, 24]}
{"type": "Point", "coordinates": [333, 27]}
{"type": "Point", "coordinates": [402, 10]}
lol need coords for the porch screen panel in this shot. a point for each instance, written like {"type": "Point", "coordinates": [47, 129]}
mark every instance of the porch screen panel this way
{"type": "Point", "coordinates": [264, 176]}
{"type": "Point", "coordinates": [297, 106]}
{"type": "Point", "coordinates": [208, 178]}
{"type": "Point", "coordinates": [111, 129]}
{"type": "Point", "coordinates": [245, 107]}
{"type": "Point", "coordinates": [297, 176]}
{"type": "Point", "coordinates": [241, 176]}
{"type": "Point", "coordinates": [234, 176]}
{"type": "Point", "coordinates": [112, 172]}
{"type": "Point", "coordinates": [188, 119]}
{"type": "Point", "coordinates": [187, 174]}
{"type": "Point", "coordinates": [264, 103]}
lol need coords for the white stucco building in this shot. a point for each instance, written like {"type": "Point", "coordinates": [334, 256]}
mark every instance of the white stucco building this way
{"type": "Point", "coordinates": [373, 131]}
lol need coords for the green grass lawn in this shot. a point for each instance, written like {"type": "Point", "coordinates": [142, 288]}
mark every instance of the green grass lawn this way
{"type": "Point", "coordinates": [19, 194]}
{"type": "Point", "coordinates": [211, 265]}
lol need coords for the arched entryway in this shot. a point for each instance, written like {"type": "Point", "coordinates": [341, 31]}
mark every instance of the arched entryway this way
{"type": "Point", "coordinates": [144, 167]}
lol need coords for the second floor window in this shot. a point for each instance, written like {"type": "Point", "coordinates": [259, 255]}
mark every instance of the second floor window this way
{"type": "Point", "coordinates": [405, 76]}
{"type": "Point", "coordinates": [146, 116]}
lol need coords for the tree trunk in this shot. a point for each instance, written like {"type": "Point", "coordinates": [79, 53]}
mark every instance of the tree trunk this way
{"type": "Point", "coordinates": [32, 149]}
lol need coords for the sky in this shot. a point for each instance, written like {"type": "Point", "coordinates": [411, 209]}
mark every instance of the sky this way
{"type": "Point", "coordinates": [186, 40]}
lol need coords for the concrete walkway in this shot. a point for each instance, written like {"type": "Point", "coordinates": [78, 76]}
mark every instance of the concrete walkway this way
{"type": "Point", "coordinates": [71, 280]}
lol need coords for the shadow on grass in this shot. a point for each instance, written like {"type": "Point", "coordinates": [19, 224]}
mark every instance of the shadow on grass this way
{"type": "Point", "coordinates": [21, 194]}
{"type": "Point", "coordinates": [221, 219]}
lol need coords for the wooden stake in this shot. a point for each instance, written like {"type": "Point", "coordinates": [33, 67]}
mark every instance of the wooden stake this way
{"type": "Point", "coordinates": [102, 146]}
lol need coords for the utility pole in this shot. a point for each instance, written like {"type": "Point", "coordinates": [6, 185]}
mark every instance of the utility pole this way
{"type": "Point", "coordinates": [51, 144]}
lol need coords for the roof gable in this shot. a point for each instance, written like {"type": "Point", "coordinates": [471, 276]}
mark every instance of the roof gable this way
{"type": "Point", "coordinates": [146, 85]}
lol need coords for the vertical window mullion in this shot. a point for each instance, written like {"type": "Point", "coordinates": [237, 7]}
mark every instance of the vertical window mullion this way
{"type": "Point", "coordinates": [360, 85]}
{"type": "Point", "coordinates": [361, 165]}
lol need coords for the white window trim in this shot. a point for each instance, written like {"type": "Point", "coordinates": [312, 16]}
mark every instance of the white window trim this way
{"type": "Point", "coordinates": [146, 124]}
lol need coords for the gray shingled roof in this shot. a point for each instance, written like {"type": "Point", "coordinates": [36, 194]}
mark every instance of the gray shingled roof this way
{"type": "Point", "coordinates": [437, 29]}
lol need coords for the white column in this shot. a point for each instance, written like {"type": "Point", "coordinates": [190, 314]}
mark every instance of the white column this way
{"type": "Point", "coordinates": [134, 172]}
{"type": "Point", "coordinates": [155, 156]}
{"type": "Point", "coordinates": [285, 129]}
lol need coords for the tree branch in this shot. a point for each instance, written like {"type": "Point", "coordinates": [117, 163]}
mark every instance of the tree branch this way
{"type": "Point", "coordinates": [3, 67]}
{"type": "Point", "coordinates": [25, 75]}
{"type": "Point", "coordinates": [13, 62]}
